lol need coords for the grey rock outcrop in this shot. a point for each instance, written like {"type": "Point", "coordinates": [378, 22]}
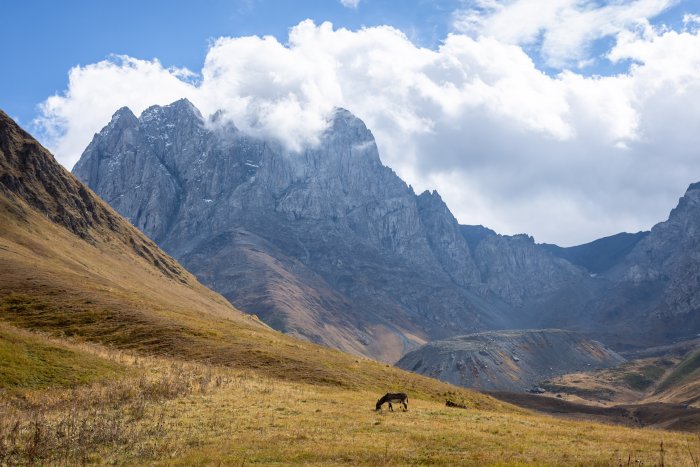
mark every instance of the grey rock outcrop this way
{"type": "Point", "coordinates": [517, 269]}
{"type": "Point", "coordinates": [660, 277]}
{"type": "Point", "coordinates": [508, 360]}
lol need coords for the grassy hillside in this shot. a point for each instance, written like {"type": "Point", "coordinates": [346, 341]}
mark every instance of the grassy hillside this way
{"type": "Point", "coordinates": [668, 378]}
{"type": "Point", "coordinates": [687, 369]}
{"type": "Point", "coordinates": [683, 382]}
{"type": "Point", "coordinates": [57, 283]}
{"type": "Point", "coordinates": [631, 381]}
{"type": "Point", "coordinates": [164, 411]}
{"type": "Point", "coordinates": [115, 354]}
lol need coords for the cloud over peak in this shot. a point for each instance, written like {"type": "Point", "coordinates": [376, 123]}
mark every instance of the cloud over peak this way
{"type": "Point", "coordinates": [567, 158]}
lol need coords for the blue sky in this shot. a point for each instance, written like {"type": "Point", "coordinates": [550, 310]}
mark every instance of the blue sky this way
{"type": "Point", "coordinates": [567, 119]}
{"type": "Point", "coordinates": [48, 37]}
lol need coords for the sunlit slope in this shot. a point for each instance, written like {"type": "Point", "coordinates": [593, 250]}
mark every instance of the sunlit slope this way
{"type": "Point", "coordinates": [162, 411]}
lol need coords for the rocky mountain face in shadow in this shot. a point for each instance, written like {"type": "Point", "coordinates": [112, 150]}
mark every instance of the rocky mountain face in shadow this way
{"type": "Point", "coordinates": [660, 277]}
{"type": "Point", "coordinates": [599, 255]}
{"type": "Point", "coordinates": [331, 245]}
{"type": "Point", "coordinates": [508, 360]}
{"type": "Point", "coordinates": [640, 289]}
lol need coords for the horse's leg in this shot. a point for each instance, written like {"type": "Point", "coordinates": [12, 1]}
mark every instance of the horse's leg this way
{"type": "Point", "coordinates": [390, 407]}
{"type": "Point", "coordinates": [405, 405]}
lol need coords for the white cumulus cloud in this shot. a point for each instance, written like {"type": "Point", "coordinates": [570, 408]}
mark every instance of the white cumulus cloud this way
{"type": "Point", "coordinates": [350, 3]}
{"type": "Point", "coordinates": [567, 158]}
{"type": "Point", "coordinates": [563, 30]}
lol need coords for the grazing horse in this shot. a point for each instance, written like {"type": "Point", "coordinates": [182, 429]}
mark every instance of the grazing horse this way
{"type": "Point", "coordinates": [393, 397]}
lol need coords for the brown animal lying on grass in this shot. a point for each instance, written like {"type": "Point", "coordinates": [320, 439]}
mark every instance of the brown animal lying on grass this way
{"type": "Point", "coordinates": [393, 397]}
{"type": "Point", "coordinates": [455, 404]}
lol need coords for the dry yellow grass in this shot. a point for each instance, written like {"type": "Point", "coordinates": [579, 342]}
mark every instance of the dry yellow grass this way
{"type": "Point", "coordinates": [164, 411]}
{"type": "Point", "coordinates": [302, 424]}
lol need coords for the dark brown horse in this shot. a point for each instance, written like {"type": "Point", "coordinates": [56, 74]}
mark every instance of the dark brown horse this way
{"type": "Point", "coordinates": [393, 397]}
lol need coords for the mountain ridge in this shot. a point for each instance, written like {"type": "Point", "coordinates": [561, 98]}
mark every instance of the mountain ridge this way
{"type": "Point", "coordinates": [243, 177]}
{"type": "Point", "coordinates": [599, 255]}
{"type": "Point", "coordinates": [343, 252]}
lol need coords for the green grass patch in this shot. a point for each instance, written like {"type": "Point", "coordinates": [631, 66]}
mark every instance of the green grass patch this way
{"type": "Point", "coordinates": [690, 366]}
{"type": "Point", "coordinates": [643, 378]}
{"type": "Point", "coordinates": [32, 362]}
{"type": "Point", "coordinates": [652, 372]}
{"type": "Point", "coordinates": [637, 381]}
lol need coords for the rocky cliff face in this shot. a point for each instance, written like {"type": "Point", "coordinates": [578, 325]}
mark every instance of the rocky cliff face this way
{"type": "Point", "coordinates": [327, 244]}
{"type": "Point", "coordinates": [670, 247]}
{"type": "Point", "coordinates": [518, 270]}
{"type": "Point", "coordinates": [508, 360]}
{"type": "Point", "coordinates": [660, 277]}
{"type": "Point", "coordinates": [331, 245]}
{"type": "Point", "coordinates": [645, 289]}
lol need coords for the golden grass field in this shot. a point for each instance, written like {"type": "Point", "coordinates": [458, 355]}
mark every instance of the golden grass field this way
{"type": "Point", "coordinates": [163, 411]}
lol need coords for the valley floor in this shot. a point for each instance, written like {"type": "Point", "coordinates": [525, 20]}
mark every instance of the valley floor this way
{"type": "Point", "coordinates": [163, 411]}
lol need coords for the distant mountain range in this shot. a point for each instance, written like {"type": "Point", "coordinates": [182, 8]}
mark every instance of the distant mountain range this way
{"type": "Point", "coordinates": [331, 245]}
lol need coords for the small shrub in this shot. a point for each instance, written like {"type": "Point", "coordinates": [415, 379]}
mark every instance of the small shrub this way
{"type": "Point", "coordinates": [637, 381]}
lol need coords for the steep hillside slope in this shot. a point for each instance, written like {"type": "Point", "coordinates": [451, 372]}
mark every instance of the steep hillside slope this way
{"type": "Point", "coordinates": [507, 360]}
{"type": "Point", "coordinates": [71, 267]}
{"type": "Point", "coordinates": [682, 383]}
